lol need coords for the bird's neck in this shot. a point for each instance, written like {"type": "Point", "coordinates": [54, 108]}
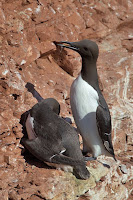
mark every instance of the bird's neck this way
{"type": "Point", "coordinates": [89, 72]}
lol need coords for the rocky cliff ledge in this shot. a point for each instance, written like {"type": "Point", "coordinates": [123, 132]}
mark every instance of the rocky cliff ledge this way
{"type": "Point", "coordinates": [27, 29]}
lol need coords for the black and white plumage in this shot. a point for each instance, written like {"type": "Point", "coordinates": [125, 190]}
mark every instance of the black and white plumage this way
{"type": "Point", "coordinates": [89, 108]}
{"type": "Point", "coordinates": [53, 140]}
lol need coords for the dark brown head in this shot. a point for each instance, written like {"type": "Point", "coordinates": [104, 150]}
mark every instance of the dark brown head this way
{"type": "Point", "coordinates": [86, 48]}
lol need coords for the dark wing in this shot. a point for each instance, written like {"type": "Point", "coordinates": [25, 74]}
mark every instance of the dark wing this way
{"type": "Point", "coordinates": [45, 129]}
{"type": "Point", "coordinates": [39, 149]}
{"type": "Point", "coordinates": [104, 127]}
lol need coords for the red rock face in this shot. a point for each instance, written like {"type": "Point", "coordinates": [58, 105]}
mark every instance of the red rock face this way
{"type": "Point", "coordinates": [27, 29]}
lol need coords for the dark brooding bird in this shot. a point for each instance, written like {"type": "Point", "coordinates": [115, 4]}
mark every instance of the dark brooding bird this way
{"type": "Point", "coordinates": [51, 139]}
{"type": "Point", "coordinates": [89, 108]}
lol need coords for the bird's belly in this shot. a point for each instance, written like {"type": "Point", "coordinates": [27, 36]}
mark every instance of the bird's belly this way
{"type": "Point", "coordinates": [30, 128]}
{"type": "Point", "coordinates": [83, 98]}
{"type": "Point", "coordinates": [84, 103]}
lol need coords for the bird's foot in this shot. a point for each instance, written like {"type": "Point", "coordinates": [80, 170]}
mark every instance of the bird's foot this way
{"type": "Point", "coordinates": [94, 158]}
{"type": "Point", "coordinates": [86, 158]}
{"type": "Point", "coordinates": [104, 164]}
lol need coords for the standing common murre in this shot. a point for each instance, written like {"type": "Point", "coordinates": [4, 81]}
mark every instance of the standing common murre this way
{"type": "Point", "coordinates": [89, 108]}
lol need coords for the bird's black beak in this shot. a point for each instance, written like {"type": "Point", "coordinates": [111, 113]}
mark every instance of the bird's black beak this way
{"type": "Point", "coordinates": [69, 45]}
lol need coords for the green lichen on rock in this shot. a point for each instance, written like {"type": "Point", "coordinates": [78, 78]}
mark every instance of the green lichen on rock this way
{"type": "Point", "coordinates": [73, 187]}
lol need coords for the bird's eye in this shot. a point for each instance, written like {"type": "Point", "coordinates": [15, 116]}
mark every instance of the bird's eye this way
{"type": "Point", "coordinates": [85, 48]}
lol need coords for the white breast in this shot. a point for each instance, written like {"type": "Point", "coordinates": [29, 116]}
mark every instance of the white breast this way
{"type": "Point", "coordinates": [30, 128]}
{"type": "Point", "coordinates": [84, 102]}
{"type": "Point", "coordinates": [83, 97]}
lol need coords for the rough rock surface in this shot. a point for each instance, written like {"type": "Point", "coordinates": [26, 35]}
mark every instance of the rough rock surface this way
{"type": "Point", "coordinates": [27, 29]}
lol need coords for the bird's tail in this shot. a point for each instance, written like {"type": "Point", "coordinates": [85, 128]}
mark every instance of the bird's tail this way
{"type": "Point", "coordinates": [35, 94]}
{"type": "Point", "coordinates": [114, 157]}
{"type": "Point", "coordinates": [80, 169]}
{"type": "Point", "coordinates": [111, 152]}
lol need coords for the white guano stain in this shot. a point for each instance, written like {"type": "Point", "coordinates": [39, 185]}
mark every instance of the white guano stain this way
{"type": "Point", "coordinates": [53, 11]}
{"type": "Point", "coordinates": [38, 9]}
{"type": "Point", "coordinates": [18, 75]}
{"type": "Point", "coordinates": [126, 83]}
{"type": "Point", "coordinates": [5, 72]}
{"type": "Point", "coordinates": [121, 61]}
{"type": "Point", "coordinates": [23, 62]}
{"type": "Point", "coordinates": [29, 9]}
{"type": "Point", "coordinates": [130, 36]}
{"type": "Point", "coordinates": [125, 108]}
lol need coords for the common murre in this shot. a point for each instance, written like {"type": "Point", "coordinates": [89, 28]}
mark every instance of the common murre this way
{"type": "Point", "coordinates": [89, 108]}
{"type": "Point", "coordinates": [51, 139]}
